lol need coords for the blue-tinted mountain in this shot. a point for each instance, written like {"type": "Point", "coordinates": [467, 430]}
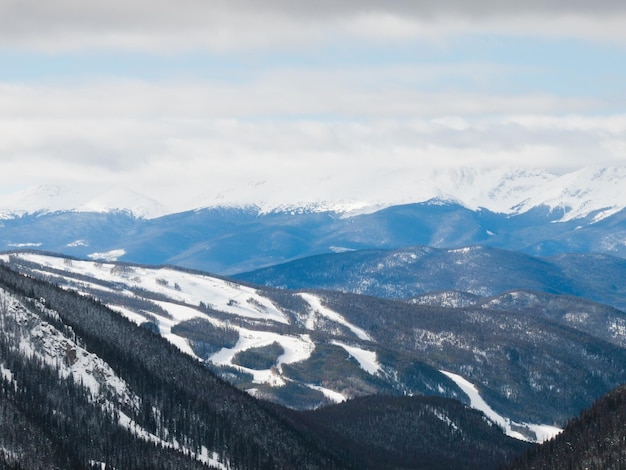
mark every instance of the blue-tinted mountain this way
{"type": "Point", "coordinates": [478, 270]}
{"type": "Point", "coordinates": [231, 240]}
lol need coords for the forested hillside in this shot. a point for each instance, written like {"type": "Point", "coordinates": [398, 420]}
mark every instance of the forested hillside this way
{"type": "Point", "coordinates": [92, 387]}
{"type": "Point", "coordinates": [81, 387]}
{"type": "Point", "coordinates": [595, 440]}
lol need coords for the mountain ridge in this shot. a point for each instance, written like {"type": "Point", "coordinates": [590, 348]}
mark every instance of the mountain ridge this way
{"type": "Point", "coordinates": [577, 193]}
{"type": "Point", "coordinates": [308, 348]}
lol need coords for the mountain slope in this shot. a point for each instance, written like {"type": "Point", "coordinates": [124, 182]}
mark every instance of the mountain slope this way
{"type": "Point", "coordinates": [309, 348]}
{"type": "Point", "coordinates": [99, 389]}
{"type": "Point", "coordinates": [370, 425]}
{"type": "Point", "coordinates": [595, 440]}
{"type": "Point", "coordinates": [479, 270]}
{"type": "Point", "coordinates": [80, 387]}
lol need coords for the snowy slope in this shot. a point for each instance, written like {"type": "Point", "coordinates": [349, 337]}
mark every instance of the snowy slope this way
{"type": "Point", "coordinates": [181, 295]}
{"type": "Point", "coordinates": [578, 193]}
{"type": "Point", "coordinates": [541, 432]}
{"type": "Point", "coordinates": [311, 348]}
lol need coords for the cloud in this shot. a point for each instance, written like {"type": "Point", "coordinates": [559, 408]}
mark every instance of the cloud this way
{"type": "Point", "coordinates": [212, 153]}
{"type": "Point", "coordinates": [166, 25]}
{"type": "Point", "coordinates": [284, 94]}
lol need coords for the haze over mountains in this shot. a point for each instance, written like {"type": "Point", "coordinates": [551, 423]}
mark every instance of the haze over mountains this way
{"type": "Point", "coordinates": [579, 193]}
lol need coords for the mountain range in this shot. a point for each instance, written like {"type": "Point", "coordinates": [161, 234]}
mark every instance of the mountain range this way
{"type": "Point", "coordinates": [82, 387]}
{"type": "Point", "coordinates": [308, 348]}
{"type": "Point", "coordinates": [231, 240]}
{"type": "Point", "coordinates": [479, 270]}
{"type": "Point", "coordinates": [534, 212]}
{"type": "Point", "coordinates": [576, 193]}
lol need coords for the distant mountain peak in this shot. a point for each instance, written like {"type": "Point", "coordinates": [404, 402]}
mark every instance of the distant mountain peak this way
{"type": "Point", "coordinates": [589, 191]}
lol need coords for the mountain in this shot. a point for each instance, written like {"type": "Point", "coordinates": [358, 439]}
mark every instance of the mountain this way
{"type": "Point", "coordinates": [478, 270]}
{"type": "Point", "coordinates": [257, 225]}
{"type": "Point", "coordinates": [233, 240]}
{"type": "Point", "coordinates": [576, 194]}
{"type": "Point", "coordinates": [527, 368]}
{"type": "Point", "coordinates": [369, 426]}
{"type": "Point", "coordinates": [595, 440]}
{"type": "Point", "coordinates": [82, 387]}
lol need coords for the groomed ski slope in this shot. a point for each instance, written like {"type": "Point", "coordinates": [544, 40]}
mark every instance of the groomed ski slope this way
{"type": "Point", "coordinates": [542, 432]}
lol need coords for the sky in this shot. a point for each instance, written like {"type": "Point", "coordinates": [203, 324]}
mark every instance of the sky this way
{"type": "Point", "coordinates": [197, 95]}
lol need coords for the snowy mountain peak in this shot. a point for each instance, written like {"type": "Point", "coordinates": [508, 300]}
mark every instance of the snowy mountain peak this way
{"type": "Point", "coordinates": [579, 193]}
{"type": "Point", "coordinates": [78, 198]}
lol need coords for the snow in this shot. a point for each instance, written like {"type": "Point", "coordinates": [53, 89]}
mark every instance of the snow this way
{"type": "Point", "coordinates": [366, 359]}
{"type": "Point", "coordinates": [211, 459]}
{"type": "Point", "coordinates": [76, 243]}
{"type": "Point", "coordinates": [296, 349]}
{"type": "Point", "coordinates": [6, 373]}
{"type": "Point", "coordinates": [541, 432]}
{"type": "Point", "coordinates": [318, 309]}
{"type": "Point", "coordinates": [180, 286]}
{"type": "Point", "coordinates": [54, 348]}
{"type": "Point", "coordinates": [112, 255]}
{"type": "Point", "coordinates": [581, 192]}
{"type": "Point", "coordinates": [336, 397]}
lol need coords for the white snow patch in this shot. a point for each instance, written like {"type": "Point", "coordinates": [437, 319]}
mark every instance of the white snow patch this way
{"type": "Point", "coordinates": [541, 432]}
{"type": "Point", "coordinates": [211, 459]}
{"type": "Point", "coordinates": [328, 393]}
{"type": "Point", "coordinates": [6, 373]}
{"type": "Point", "coordinates": [366, 359]}
{"type": "Point", "coordinates": [316, 307]}
{"type": "Point", "coordinates": [297, 348]}
{"type": "Point", "coordinates": [112, 255]}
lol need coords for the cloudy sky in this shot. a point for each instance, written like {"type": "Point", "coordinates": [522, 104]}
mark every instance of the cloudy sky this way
{"type": "Point", "coordinates": [209, 93]}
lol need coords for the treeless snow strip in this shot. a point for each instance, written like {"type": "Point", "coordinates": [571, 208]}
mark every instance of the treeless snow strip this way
{"type": "Point", "coordinates": [126, 422]}
{"type": "Point", "coordinates": [328, 393]}
{"type": "Point", "coordinates": [112, 255]}
{"type": "Point", "coordinates": [316, 306]}
{"type": "Point", "coordinates": [366, 359]}
{"type": "Point", "coordinates": [297, 348]}
{"type": "Point", "coordinates": [542, 432]}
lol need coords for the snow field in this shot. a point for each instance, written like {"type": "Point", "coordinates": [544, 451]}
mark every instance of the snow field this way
{"type": "Point", "coordinates": [542, 432]}
{"type": "Point", "coordinates": [316, 308]}
{"type": "Point", "coordinates": [297, 348]}
{"type": "Point", "coordinates": [178, 285]}
{"type": "Point", "coordinates": [366, 359]}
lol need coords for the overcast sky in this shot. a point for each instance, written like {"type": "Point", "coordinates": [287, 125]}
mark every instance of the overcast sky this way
{"type": "Point", "coordinates": [205, 93]}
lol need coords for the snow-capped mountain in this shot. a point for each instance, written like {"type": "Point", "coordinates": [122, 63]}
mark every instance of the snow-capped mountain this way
{"type": "Point", "coordinates": [579, 193]}
{"type": "Point", "coordinates": [78, 198]}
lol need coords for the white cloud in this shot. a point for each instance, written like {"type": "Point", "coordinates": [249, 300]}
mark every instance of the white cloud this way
{"type": "Point", "coordinates": [162, 25]}
{"type": "Point", "coordinates": [303, 119]}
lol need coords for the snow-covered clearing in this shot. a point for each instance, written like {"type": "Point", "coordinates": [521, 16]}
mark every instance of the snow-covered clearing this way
{"type": "Point", "coordinates": [328, 393]}
{"type": "Point", "coordinates": [112, 255]}
{"type": "Point", "coordinates": [316, 307]}
{"type": "Point", "coordinates": [366, 359]}
{"type": "Point", "coordinates": [542, 432]}
{"type": "Point", "coordinates": [180, 286]}
{"type": "Point", "coordinates": [296, 349]}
